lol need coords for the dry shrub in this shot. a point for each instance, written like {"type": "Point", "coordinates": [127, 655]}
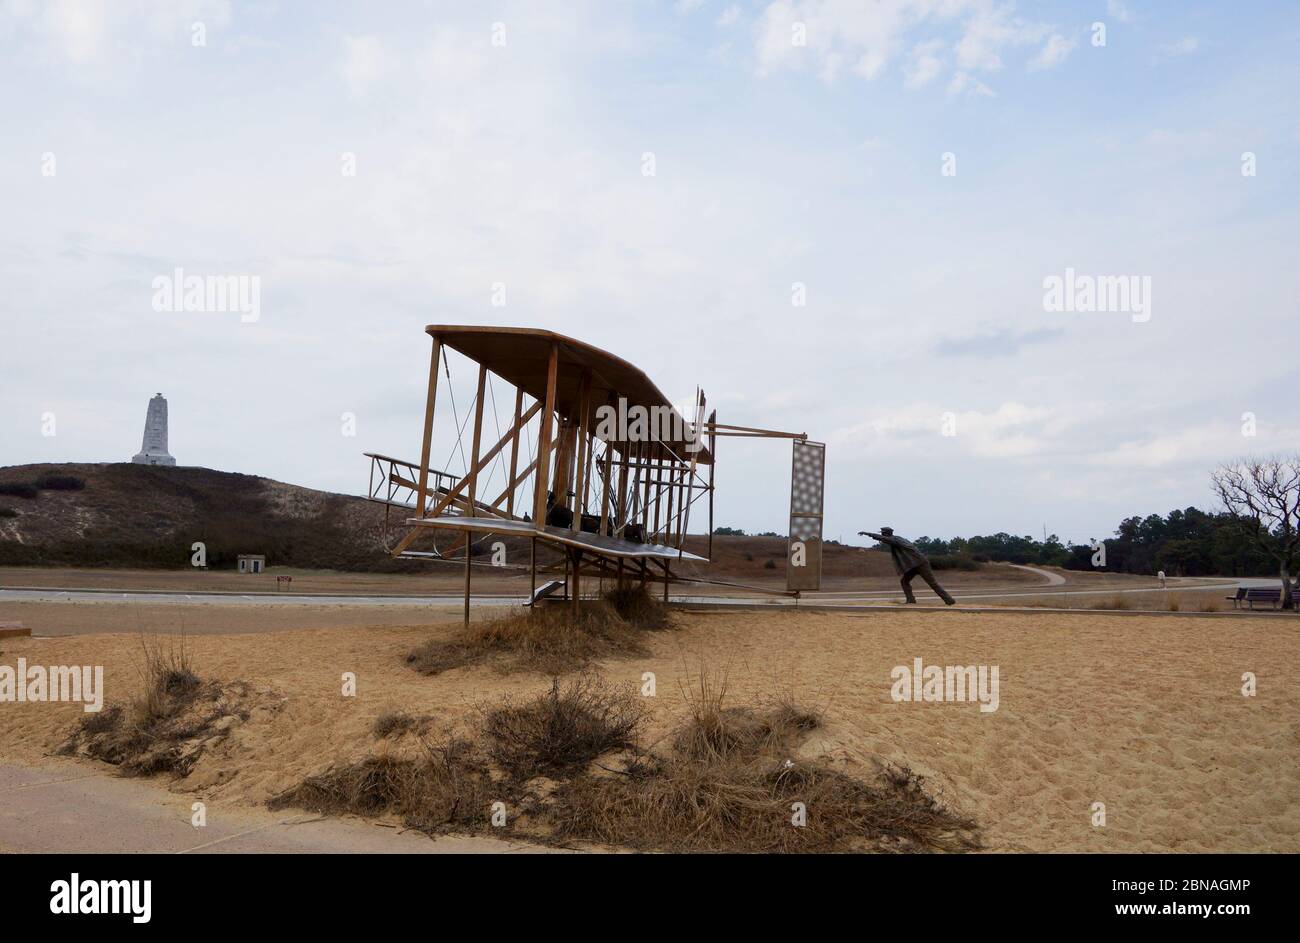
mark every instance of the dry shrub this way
{"type": "Point", "coordinates": [448, 786]}
{"type": "Point", "coordinates": [399, 723]}
{"type": "Point", "coordinates": [714, 731]}
{"type": "Point", "coordinates": [172, 719]}
{"type": "Point", "coordinates": [550, 639]}
{"type": "Point", "coordinates": [727, 781]}
{"type": "Point", "coordinates": [730, 782]}
{"type": "Point", "coordinates": [563, 729]}
{"type": "Point", "coordinates": [746, 804]}
{"type": "Point", "coordinates": [636, 606]}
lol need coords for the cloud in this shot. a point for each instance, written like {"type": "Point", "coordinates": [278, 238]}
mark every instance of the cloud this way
{"type": "Point", "coordinates": [995, 343]}
{"type": "Point", "coordinates": [1181, 47]}
{"type": "Point", "coordinates": [1012, 430]}
{"type": "Point", "coordinates": [1054, 52]}
{"type": "Point", "coordinates": [925, 65]}
{"type": "Point", "coordinates": [94, 33]}
{"type": "Point", "coordinates": [729, 16]}
{"type": "Point", "coordinates": [833, 35]}
{"type": "Point", "coordinates": [1119, 11]}
{"type": "Point", "coordinates": [964, 83]}
{"type": "Point", "coordinates": [364, 63]}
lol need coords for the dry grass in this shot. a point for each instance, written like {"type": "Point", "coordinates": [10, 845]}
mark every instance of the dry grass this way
{"type": "Point", "coordinates": [449, 786]}
{"type": "Point", "coordinates": [171, 720]}
{"type": "Point", "coordinates": [563, 729]}
{"type": "Point", "coordinates": [729, 781]}
{"type": "Point", "coordinates": [551, 639]}
{"type": "Point", "coordinates": [394, 724]}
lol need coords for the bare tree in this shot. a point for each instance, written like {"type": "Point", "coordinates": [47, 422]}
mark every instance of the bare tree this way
{"type": "Point", "coordinates": [1263, 497]}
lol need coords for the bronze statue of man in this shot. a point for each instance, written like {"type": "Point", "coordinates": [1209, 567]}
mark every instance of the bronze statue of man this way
{"type": "Point", "coordinates": [909, 562]}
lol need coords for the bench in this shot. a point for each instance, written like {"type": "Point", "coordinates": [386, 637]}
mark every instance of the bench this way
{"type": "Point", "coordinates": [1251, 595]}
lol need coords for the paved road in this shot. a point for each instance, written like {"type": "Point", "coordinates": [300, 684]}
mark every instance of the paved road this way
{"type": "Point", "coordinates": [845, 597]}
{"type": "Point", "coordinates": [72, 807]}
{"type": "Point", "coordinates": [1053, 579]}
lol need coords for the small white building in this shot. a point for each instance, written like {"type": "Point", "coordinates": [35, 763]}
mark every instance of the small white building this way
{"type": "Point", "coordinates": [251, 562]}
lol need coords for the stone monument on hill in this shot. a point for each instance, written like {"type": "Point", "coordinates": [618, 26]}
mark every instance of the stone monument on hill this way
{"type": "Point", "coordinates": [153, 451]}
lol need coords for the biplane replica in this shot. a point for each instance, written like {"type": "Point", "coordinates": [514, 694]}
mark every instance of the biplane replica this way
{"type": "Point", "coordinates": [595, 462]}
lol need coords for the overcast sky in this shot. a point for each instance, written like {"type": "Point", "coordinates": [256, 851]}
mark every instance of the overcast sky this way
{"type": "Point", "coordinates": [792, 144]}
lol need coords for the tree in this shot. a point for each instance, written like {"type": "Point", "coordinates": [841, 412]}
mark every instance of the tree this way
{"type": "Point", "coordinates": [1263, 498]}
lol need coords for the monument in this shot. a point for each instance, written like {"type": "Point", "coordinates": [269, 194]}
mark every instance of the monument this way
{"type": "Point", "coordinates": [153, 450]}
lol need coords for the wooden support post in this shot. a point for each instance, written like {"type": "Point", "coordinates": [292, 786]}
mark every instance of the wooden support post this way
{"type": "Point", "coordinates": [425, 447]}
{"type": "Point", "coordinates": [467, 571]}
{"type": "Point", "coordinates": [645, 504]}
{"type": "Point", "coordinates": [472, 487]}
{"type": "Point", "coordinates": [582, 467]}
{"type": "Point", "coordinates": [681, 505]}
{"type": "Point", "coordinates": [514, 453]}
{"type": "Point", "coordinates": [532, 564]}
{"type": "Point", "coordinates": [620, 505]}
{"type": "Point", "coordinates": [544, 440]}
{"type": "Point", "coordinates": [713, 464]}
{"type": "Point", "coordinates": [605, 488]}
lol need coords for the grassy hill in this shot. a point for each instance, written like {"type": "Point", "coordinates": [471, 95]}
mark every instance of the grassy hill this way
{"type": "Point", "coordinates": [141, 515]}
{"type": "Point", "coordinates": [124, 515]}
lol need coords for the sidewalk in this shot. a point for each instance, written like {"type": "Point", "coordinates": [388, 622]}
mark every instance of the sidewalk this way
{"type": "Point", "coordinates": [73, 808]}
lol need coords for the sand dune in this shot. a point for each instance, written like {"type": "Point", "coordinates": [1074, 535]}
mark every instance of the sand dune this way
{"type": "Point", "coordinates": [1144, 714]}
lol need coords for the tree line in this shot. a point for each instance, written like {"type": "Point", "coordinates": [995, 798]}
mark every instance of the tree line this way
{"type": "Point", "coordinates": [1188, 542]}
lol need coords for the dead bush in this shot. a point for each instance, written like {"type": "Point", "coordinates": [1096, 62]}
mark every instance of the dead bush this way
{"type": "Point", "coordinates": [449, 786]}
{"type": "Point", "coordinates": [551, 639]}
{"type": "Point", "coordinates": [399, 723]}
{"type": "Point", "coordinates": [564, 729]}
{"type": "Point", "coordinates": [171, 720]}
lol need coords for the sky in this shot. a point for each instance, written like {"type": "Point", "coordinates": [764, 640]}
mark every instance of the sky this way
{"type": "Point", "coordinates": [838, 218]}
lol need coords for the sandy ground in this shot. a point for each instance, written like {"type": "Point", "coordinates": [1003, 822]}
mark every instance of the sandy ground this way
{"type": "Point", "coordinates": [78, 618]}
{"type": "Point", "coordinates": [1144, 714]}
{"type": "Point", "coordinates": [450, 578]}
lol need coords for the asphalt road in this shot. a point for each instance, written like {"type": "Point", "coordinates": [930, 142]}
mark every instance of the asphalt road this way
{"type": "Point", "coordinates": [455, 600]}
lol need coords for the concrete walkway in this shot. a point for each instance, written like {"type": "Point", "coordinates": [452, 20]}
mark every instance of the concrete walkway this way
{"type": "Point", "coordinates": [74, 807]}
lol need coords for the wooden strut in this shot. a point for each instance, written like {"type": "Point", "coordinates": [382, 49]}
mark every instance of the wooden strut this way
{"type": "Point", "coordinates": [427, 444]}
{"type": "Point", "coordinates": [453, 493]}
{"type": "Point", "coordinates": [468, 570]}
{"type": "Point", "coordinates": [544, 440]}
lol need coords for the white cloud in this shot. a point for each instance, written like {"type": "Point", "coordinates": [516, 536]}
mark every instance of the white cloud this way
{"type": "Point", "coordinates": [364, 63]}
{"type": "Point", "coordinates": [1119, 11]}
{"type": "Point", "coordinates": [925, 65]}
{"type": "Point", "coordinates": [1181, 47]}
{"type": "Point", "coordinates": [729, 16]}
{"type": "Point", "coordinates": [95, 33]}
{"type": "Point", "coordinates": [962, 82]}
{"type": "Point", "coordinates": [1054, 52]}
{"type": "Point", "coordinates": [1013, 430]}
{"type": "Point", "coordinates": [866, 39]}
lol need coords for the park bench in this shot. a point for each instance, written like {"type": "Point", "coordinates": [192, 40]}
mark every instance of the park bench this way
{"type": "Point", "coordinates": [1251, 595]}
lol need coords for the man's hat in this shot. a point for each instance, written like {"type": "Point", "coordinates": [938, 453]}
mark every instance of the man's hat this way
{"type": "Point", "coordinates": [886, 530]}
